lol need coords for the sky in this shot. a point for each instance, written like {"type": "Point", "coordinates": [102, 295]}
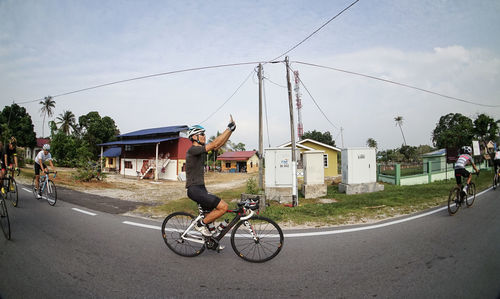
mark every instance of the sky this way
{"type": "Point", "coordinates": [448, 47]}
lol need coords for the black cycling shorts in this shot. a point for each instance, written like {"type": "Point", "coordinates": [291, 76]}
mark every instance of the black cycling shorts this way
{"type": "Point", "coordinates": [200, 194]}
{"type": "Point", "coordinates": [37, 169]}
{"type": "Point", "coordinates": [459, 173]}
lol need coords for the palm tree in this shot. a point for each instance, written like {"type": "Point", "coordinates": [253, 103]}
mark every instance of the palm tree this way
{"type": "Point", "coordinates": [399, 122]}
{"type": "Point", "coordinates": [371, 142]}
{"type": "Point", "coordinates": [67, 121]}
{"type": "Point", "coordinates": [47, 105]}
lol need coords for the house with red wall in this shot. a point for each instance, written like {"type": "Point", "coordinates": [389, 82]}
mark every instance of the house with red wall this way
{"type": "Point", "coordinates": [157, 153]}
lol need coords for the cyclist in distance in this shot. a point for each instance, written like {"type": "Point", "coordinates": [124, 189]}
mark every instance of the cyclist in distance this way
{"type": "Point", "coordinates": [43, 155]}
{"type": "Point", "coordinates": [3, 170]}
{"type": "Point", "coordinates": [463, 160]}
{"type": "Point", "coordinates": [10, 154]}
{"type": "Point", "coordinates": [195, 181]}
{"type": "Point", "coordinates": [496, 160]}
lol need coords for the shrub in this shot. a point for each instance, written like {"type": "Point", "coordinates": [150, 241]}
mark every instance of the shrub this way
{"type": "Point", "coordinates": [89, 171]}
{"type": "Point", "coordinates": [252, 187]}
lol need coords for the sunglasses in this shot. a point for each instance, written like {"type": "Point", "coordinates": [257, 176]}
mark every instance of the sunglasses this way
{"type": "Point", "coordinates": [202, 134]}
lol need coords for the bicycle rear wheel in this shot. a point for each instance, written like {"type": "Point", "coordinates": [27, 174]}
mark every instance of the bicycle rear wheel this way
{"type": "Point", "coordinates": [4, 218]}
{"type": "Point", "coordinates": [257, 240]}
{"type": "Point", "coordinates": [454, 201]}
{"type": "Point", "coordinates": [12, 193]}
{"type": "Point", "coordinates": [471, 194]}
{"type": "Point", "coordinates": [173, 227]}
{"type": "Point", "coordinates": [51, 193]}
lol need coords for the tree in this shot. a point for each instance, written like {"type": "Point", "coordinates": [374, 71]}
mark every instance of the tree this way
{"type": "Point", "coordinates": [453, 130]}
{"type": "Point", "coordinates": [371, 143]}
{"type": "Point", "coordinates": [67, 122]}
{"type": "Point", "coordinates": [239, 147]}
{"type": "Point", "coordinates": [15, 121]}
{"type": "Point", "coordinates": [399, 122]}
{"type": "Point", "coordinates": [48, 104]}
{"type": "Point", "coordinates": [95, 130]}
{"type": "Point", "coordinates": [485, 128]}
{"type": "Point", "coordinates": [325, 138]}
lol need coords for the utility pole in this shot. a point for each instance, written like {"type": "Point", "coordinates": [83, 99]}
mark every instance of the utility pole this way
{"type": "Point", "coordinates": [295, 199]}
{"type": "Point", "coordinates": [342, 136]}
{"type": "Point", "coordinates": [261, 147]}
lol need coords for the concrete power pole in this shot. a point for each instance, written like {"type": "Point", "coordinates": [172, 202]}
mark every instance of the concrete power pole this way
{"type": "Point", "coordinates": [295, 198]}
{"type": "Point", "coordinates": [261, 147]}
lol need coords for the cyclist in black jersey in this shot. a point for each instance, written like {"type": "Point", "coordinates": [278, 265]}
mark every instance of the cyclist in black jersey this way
{"type": "Point", "coordinates": [195, 181]}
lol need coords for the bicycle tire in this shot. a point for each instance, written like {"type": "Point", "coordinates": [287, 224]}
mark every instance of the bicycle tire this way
{"type": "Point", "coordinates": [4, 219]}
{"type": "Point", "coordinates": [51, 193]}
{"type": "Point", "coordinates": [13, 195]}
{"type": "Point", "coordinates": [454, 201]}
{"type": "Point", "coordinates": [495, 181]}
{"type": "Point", "coordinates": [471, 195]}
{"type": "Point", "coordinates": [267, 246]}
{"type": "Point", "coordinates": [171, 230]}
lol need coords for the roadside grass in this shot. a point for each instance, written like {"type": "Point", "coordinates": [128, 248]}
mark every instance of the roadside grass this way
{"type": "Point", "coordinates": [346, 209]}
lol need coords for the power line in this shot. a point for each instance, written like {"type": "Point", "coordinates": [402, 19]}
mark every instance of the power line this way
{"type": "Point", "coordinates": [315, 31]}
{"type": "Point", "coordinates": [319, 108]}
{"type": "Point", "coordinates": [220, 107]}
{"type": "Point", "coordinates": [397, 83]}
{"type": "Point", "coordinates": [144, 77]}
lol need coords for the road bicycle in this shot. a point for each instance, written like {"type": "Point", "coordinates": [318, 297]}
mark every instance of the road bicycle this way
{"type": "Point", "coordinates": [4, 216]}
{"type": "Point", "coordinates": [254, 238]}
{"type": "Point", "coordinates": [47, 188]}
{"type": "Point", "coordinates": [10, 186]}
{"type": "Point", "coordinates": [457, 197]}
{"type": "Point", "coordinates": [496, 179]}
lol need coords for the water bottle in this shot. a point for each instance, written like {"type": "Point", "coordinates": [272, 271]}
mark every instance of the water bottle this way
{"type": "Point", "coordinates": [222, 225]}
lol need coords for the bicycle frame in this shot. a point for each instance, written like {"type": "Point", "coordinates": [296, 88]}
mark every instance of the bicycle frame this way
{"type": "Point", "coordinates": [45, 178]}
{"type": "Point", "coordinates": [238, 217]}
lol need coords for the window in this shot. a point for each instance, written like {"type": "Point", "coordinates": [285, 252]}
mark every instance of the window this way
{"type": "Point", "coordinates": [251, 164]}
{"type": "Point", "coordinates": [128, 164]}
{"type": "Point", "coordinates": [129, 148]}
{"type": "Point", "coordinates": [110, 161]}
{"type": "Point", "coordinates": [228, 164]}
{"type": "Point", "coordinates": [325, 161]}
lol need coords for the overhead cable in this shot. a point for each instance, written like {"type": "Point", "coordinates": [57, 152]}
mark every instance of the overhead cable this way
{"type": "Point", "coordinates": [397, 83]}
{"type": "Point", "coordinates": [314, 32]}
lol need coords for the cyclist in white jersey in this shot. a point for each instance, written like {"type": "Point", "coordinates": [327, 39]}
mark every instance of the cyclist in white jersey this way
{"type": "Point", "coordinates": [463, 160]}
{"type": "Point", "coordinates": [40, 159]}
{"type": "Point", "coordinates": [496, 160]}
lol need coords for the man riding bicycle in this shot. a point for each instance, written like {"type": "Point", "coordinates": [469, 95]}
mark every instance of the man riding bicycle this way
{"type": "Point", "coordinates": [463, 160]}
{"type": "Point", "coordinates": [195, 181]}
{"type": "Point", "coordinates": [10, 154]}
{"type": "Point", "coordinates": [496, 160]}
{"type": "Point", "coordinates": [43, 155]}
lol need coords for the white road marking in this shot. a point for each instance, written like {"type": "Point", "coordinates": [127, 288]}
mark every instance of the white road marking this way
{"type": "Point", "coordinates": [142, 225]}
{"type": "Point", "coordinates": [27, 190]}
{"type": "Point", "coordinates": [84, 212]}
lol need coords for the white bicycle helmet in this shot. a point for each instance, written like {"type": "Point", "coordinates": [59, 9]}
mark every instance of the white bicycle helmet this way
{"type": "Point", "coordinates": [467, 150]}
{"type": "Point", "coordinates": [195, 130]}
{"type": "Point", "coordinates": [46, 147]}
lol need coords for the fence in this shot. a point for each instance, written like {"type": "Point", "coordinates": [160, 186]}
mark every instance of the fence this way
{"type": "Point", "coordinates": [404, 175]}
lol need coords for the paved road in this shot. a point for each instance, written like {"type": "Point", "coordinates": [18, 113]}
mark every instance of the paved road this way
{"type": "Point", "coordinates": [64, 252]}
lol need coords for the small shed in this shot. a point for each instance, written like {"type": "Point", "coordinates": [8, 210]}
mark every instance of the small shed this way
{"type": "Point", "coordinates": [437, 159]}
{"type": "Point", "coordinates": [242, 161]}
{"type": "Point", "coordinates": [112, 159]}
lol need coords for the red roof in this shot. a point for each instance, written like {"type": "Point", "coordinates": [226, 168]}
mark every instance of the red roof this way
{"type": "Point", "coordinates": [236, 156]}
{"type": "Point", "coordinates": [41, 141]}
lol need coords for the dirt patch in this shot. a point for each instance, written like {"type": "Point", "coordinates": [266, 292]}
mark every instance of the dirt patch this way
{"type": "Point", "coordinates": [148, 191]}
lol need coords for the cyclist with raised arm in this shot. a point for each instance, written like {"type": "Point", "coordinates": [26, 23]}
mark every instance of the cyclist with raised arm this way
{"type": "Point", "coordinates": [43, 155]}
{"type": "Point", "coordinates": [463, 160]}
{"type": "Point", "coordinates": [10, 154]}
{"type": "Point", "coordinates": [195, 181]}
{"type": "Point", "coordinates": [496, 160]}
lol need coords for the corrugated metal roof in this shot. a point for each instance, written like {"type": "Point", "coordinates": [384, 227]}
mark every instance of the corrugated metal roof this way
{"type": "Point", "coordinates": [138, 141]}
{"type": "Point", "coordinates": [41, 141]}
{"type": "Point", "coordinates": [236, 156]}
{"type": "Point", "coordinates": [162, 130]}
{"type": "Point", "coordinates": [112, 152]}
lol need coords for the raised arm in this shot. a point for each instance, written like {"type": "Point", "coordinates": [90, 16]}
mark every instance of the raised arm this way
{"type": "Point", "coordinates": [220, 140]}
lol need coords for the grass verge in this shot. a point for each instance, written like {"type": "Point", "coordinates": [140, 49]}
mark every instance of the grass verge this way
{"type": "Point", "coordinates": [345, 209]}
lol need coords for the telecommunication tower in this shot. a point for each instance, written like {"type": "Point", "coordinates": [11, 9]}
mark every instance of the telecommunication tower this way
{"type": "Point", "coordinates": [300, 128]}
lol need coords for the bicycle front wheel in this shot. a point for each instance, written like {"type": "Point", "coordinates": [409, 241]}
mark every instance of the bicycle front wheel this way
{"type": "Point", "coordinates": [454, 201]}
{"type": "Point", "coordinates": [257, 240]}
{"type": "Point", "coordinates": [12, 194]}
{"type": "Point", "coordinates": [4, 218]}
{"type": "Point", "coordinates": [51, 193]}
{"type": "Point", "coordinates": [172, 229]}
{"type": "Point", "coordinates": [471, 194]}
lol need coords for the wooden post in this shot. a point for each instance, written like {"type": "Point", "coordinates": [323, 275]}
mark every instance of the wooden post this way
{"type": "Point", "coordinates": [156, 166]}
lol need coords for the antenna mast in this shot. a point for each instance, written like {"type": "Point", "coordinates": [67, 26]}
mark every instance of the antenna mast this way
{"type": "Point", "coordinates": [300, 128]}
